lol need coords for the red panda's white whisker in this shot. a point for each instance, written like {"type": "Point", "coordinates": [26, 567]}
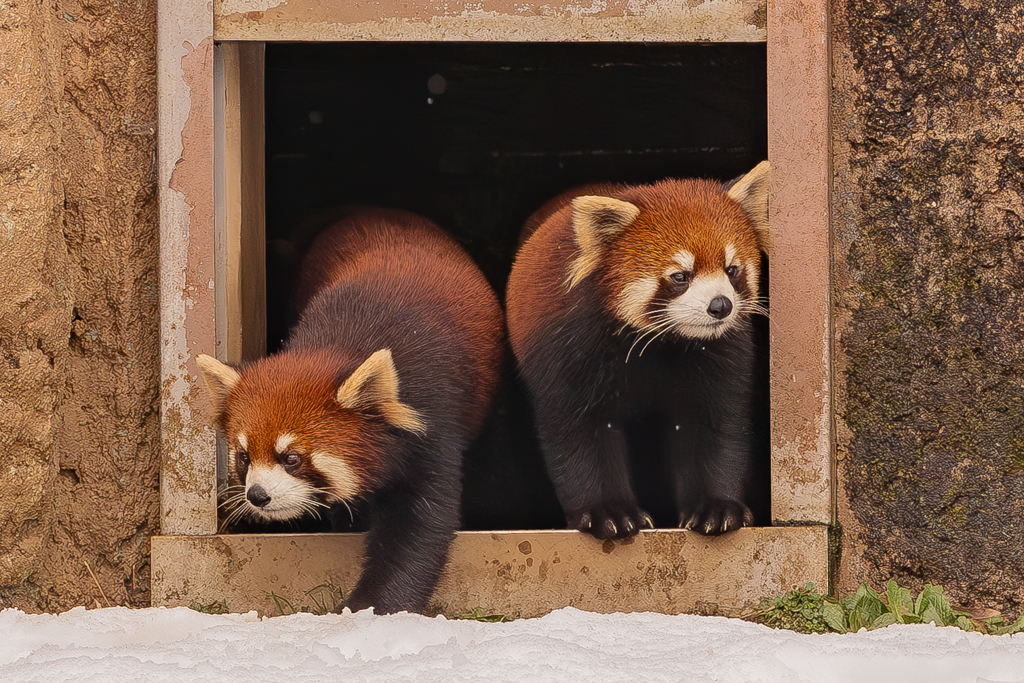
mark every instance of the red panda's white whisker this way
{"type": "Point", "coordinates": [236, 506]}
{"type": "Point", "coordinates": [661, 332]}
{"type": "Point", "coordinates": [753, 306]}
{"type": "Point", "coordinates": [658, 327]}
{"type": "Point", "coordinates": [351, 517]}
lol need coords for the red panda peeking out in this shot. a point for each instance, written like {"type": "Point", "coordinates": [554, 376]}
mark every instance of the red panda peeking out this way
{"type": "Point", "coordinates": [630, 310]}
{"type": "Point", "coordinates": [384, 382]}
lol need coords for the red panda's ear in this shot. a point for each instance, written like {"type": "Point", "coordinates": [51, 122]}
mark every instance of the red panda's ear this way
{"type": "Point", "coordinates": [374, 385]}
{"type": "Point", "coordinates": [751, 192]}
{"type": "Point", "coordinates": [220, 378]}
{"type": "Point", "coordinates": [595, 220]}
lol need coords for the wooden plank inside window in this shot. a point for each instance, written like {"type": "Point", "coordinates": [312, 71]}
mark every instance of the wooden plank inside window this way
{"type": "Point", "coordinates": [242, 330]}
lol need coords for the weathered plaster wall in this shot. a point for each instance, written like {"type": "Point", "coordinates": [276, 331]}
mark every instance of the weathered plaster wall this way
{"type": "Point", "coordinates": [35, 289]}
{"type": "Point", "coordinates": [929, 255]}
{"type": "Point", "coordinates": [499, 20]}
{"type": "Point", "coordinates": [79, 375]}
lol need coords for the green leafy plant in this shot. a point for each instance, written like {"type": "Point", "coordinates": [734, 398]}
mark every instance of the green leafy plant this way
{"type": "Point", "coordinates": [478, 614]}
{"type": "Point", "coordinates": [214, 607]}
{"type": "Point", "coordinates": [807, 611]}
{"type": "Point", "coordinates": [867, 609]}
{"type": "Point", "coordinates": [996, 626]}
{"type": "Point", "coordinates": [801, 610]}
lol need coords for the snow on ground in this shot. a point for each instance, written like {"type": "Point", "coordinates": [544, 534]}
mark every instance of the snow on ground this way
{"type": "Point", "coordinates": [184, 646]}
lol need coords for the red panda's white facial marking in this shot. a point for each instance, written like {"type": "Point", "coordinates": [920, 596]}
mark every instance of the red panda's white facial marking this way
{"type": "Point", "coordinates": [342, 483]}
{"type": "Point", "coordinates": [283, 442]}
{"type": "Point", "coordinates": [290, 484]}
{"type": "Point", "coordinates": [272, 493]}
{"type": "Point", "coordinates": [634, 300]}
{"type": "Point", "coordinates": [730, 255]}
{"type": "Point", "coordinates": [706, 310]}
{"type": "Point", "coordinates": [685, 260]}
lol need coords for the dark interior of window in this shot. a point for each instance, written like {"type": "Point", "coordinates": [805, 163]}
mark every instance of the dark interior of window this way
{"type": "Point", "coordinates": [476, 136]}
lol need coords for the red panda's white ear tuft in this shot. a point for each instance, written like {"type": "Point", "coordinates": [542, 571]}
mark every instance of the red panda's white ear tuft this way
{"type": "Point", "coordinates": [595, 220]}
{"type": "Point", "coordinates": [374, 385]}
{"type": "Point", "coordinates": [751, 192]}
{"type": "Point", "coordinates": [220, 378]}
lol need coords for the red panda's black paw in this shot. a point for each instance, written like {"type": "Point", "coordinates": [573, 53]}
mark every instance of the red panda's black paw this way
{"type": "Point", "coordinates": [610, 520]}
{"type": "Point", "coordinates": [716, 516]}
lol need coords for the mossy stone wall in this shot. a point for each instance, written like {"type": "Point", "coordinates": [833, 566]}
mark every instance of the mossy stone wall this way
{"type": "Point", "coordinates": [928, 222]}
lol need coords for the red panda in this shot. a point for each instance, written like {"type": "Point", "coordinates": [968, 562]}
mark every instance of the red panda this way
{"type": "Point", "coordinates": [630, 311]}
{"type": "Point", "coordinates": [382, 384]}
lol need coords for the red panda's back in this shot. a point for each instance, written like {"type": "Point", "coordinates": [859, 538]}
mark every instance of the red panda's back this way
{"type": "Point", "coordinates": [406, 263]}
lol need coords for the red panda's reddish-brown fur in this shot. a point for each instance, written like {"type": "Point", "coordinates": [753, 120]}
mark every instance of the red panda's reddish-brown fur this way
{"type": "Point", "coordinates": [384, 382]}
{"type": "Point", "coordinates": [629, 310]}
{"type": "Point", "coordinates": [422, 262]}
{"type": "Point", "coordinates": [675, 213]}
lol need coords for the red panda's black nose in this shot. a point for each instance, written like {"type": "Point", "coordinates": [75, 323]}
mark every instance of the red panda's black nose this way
{"type": "Point", "coordinates": [258, 496]}
{"type": "Point", "coordinates": [720, 307]}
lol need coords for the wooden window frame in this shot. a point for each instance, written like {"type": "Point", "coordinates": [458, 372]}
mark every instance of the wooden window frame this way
{"type": "Point", "coordinates": [211, 170]}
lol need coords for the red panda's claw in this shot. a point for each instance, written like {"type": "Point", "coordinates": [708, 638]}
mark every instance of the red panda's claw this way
{"type": "Point", "coordinates": [717, 516]}
{"type": "Point", "coordinates": [611, 521]}
{"type": "Point", "coordinates": [585, 523]}
{"type": "Point", "coordinates": [610, 530]}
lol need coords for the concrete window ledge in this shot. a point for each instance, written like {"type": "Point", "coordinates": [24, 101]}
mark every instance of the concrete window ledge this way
{"type": "Point", "coordinates": [517, 574]}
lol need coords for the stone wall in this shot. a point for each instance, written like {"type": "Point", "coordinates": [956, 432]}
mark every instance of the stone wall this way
{"type": "Point", "coordinates": [79, 370]}
{"type": "Point", "coordinates": [928, 202]}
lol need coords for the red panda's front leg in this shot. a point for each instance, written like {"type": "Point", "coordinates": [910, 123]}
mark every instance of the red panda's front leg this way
{"type": "Point", "coordinates": [411, 530]}
{"type": "Point", "coordinates": [712, 441]}
{"type": "Point", "coordinates": [587, 459]}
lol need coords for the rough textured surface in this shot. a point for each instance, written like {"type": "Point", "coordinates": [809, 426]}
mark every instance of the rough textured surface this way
{"type": "Point", "coordinates": [35, 290]}
{"type": "Point", "coordinates": [929, 252]}
{"type": "Point", "coordinates": [78, 304]}
{"type": "Point", "coordinates": [493, 20]}
{"type": "Point", "coordinates": [801, 345]}
{"type": "Point", "coordinates": [519, 573]}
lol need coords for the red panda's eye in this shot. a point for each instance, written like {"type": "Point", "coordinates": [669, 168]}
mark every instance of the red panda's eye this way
{"type": "Point", "coordinates": [680, 278]}
{"type": "Point", "coordinates": [732, 272]}
{"type": "Point", "coordinates": [243, 458]}
{"type": "Point", "coordinates": [292, 460]}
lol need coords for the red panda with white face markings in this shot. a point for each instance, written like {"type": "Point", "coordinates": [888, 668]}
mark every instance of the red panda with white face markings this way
{"type": "Point", "coordinates": [384, 382]}
{"type": "Point", "coordinates": [630, 313]}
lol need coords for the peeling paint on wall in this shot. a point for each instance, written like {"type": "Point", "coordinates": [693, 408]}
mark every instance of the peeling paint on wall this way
{"type": "Point", "coordinates": [225, 7]}
{"type": "Point", "coordinates": [494, 20]}
{"type": "Point", "coordinates": [185, 158]}
{"type": "Point", "coordinates": [801, 334]}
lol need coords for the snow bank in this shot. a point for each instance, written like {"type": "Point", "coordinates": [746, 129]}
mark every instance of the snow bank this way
{"type": "Point", "coordinates": [181, 645]}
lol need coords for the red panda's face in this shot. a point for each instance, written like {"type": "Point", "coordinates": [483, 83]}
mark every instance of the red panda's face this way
{"type": "Point", "coordinates": [690, 274]}
{"type": "Point", "coordinates": [679, 258]}
{"type": "Point", "coordinates": [298, 440]}
{"type": "Point", "coordinates": [293, 447]}
{"type": "Point", "coordinates": [291, 463]}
